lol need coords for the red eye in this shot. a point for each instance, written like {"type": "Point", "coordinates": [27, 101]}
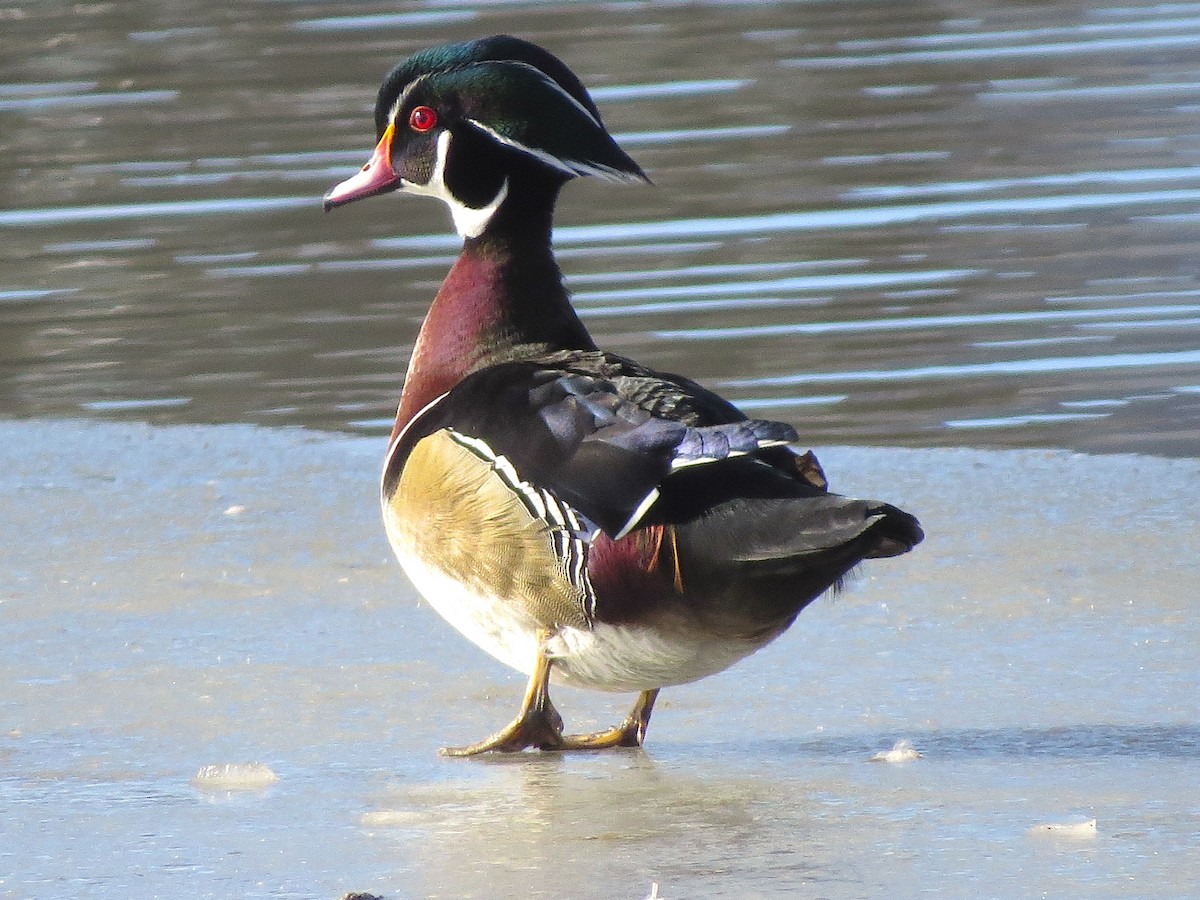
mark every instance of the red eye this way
{"type": "Point", "coordinates": [422, 118]}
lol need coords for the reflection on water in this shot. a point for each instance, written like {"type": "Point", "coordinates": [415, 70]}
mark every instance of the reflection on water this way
{"type": "Point", "coordinates": [652, 824]}
{"type": "Point", "coordinates": [950, 223]}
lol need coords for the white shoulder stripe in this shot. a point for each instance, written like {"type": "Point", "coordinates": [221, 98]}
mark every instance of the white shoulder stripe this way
{"type": "Point", "coordinates": [396, 441]}
{"type": "Point", "coordinates": [424, 409]}
{"type": "Point", "coordinates": [643, 507]}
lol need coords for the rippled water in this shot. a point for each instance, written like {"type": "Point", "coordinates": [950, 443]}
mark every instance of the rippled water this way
{"type": "Point", "coordinates": [890, 223]}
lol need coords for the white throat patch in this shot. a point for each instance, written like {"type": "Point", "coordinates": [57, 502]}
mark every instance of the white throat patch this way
{"type": "Point", "coordinates": [468, 221]}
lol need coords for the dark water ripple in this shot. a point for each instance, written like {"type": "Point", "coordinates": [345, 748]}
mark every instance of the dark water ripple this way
{"type": "Point", "coordinates": [890, 223]}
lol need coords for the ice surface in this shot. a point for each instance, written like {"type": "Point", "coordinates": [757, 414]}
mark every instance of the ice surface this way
{"type": "Point", "coordinates": [1040, 649]}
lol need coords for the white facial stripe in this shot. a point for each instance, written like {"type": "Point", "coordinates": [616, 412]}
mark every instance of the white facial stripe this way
{"type": "Point", "coordinates": [566, 166]}
{"type": "Point", "coordinates": [403, 98]}
{"type": "Point", "coordinates": [551, 83]}
{"type": "Point", "coordinates": [553, 161]}
{"type": "Point", "coordinates": [468, 221]}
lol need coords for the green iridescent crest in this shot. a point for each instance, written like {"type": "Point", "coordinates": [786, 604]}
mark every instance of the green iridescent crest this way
{"type": "Point", "coordinates": [521, 107]}
{"type": "Point", "coordinates": [515, 93]}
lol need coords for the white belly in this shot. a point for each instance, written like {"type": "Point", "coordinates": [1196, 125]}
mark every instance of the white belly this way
{"type": "Point", "coordinates": [601, 657]}
{"type": "Point", "coordinates": [629, 658]}
{"type": "Point", "coordinates": [489, 622]}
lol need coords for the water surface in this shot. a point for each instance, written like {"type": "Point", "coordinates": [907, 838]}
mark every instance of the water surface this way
{"type": "Point", "coordinates": [905, 224]}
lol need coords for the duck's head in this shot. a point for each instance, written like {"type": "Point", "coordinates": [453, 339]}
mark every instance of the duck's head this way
{"type": "Point", "coordinates": [484, 125]}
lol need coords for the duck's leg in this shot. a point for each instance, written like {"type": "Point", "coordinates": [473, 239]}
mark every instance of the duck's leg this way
{"type": "Point", "coordinates": [538, 724]}
{"type": "Point", "coordinates": [629, 733]}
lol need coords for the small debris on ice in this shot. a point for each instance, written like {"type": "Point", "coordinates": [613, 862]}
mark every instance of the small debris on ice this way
{"type": "Point", "coordinates": [1084, 828]}
{"type": "Point", "coordinates": [234, 777]}
{"type": "Point", "coordinates": [236, 510]}
{"type": "Point", "coordinates": [901, 752]}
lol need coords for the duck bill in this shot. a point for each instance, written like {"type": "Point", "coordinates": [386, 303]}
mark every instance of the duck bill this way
{"type": "Point", "coordinates": [376, 177]}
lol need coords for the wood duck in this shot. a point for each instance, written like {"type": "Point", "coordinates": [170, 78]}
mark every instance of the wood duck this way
{"type": "Point", "coordinates": [579, 516]}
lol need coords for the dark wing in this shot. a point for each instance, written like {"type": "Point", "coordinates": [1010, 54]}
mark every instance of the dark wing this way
{"type": "Point", "coordinates": [662, 394]}
{"type": "Point", "coordinates": [669, 396]}
{"type": "Point", "coordinates": [601, 444]}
